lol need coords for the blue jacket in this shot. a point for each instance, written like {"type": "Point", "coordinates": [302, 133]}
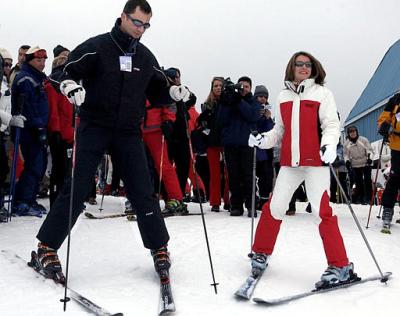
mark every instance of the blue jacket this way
{"type": "Point", "coordinates": [264, 125]}
{"type": "Point", "coordinates": [238, 121]}
{"type": "Point", "coordinates": [28, 89]}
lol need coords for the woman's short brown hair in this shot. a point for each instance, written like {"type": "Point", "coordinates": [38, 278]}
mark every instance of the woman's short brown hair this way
{"type": "Point", "coordinates": [317, 71]}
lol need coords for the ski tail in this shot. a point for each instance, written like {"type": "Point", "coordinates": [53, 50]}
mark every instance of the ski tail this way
{"type": "Point", "coordinates": [166, 303]}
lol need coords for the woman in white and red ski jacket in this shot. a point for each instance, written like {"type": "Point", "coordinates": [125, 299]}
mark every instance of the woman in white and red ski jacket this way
{"type": "Point", "coordinates": [306, 122]}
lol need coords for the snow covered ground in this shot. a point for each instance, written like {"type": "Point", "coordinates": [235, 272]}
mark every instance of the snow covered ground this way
{"type": "Point", "coordinates": [110, 266]}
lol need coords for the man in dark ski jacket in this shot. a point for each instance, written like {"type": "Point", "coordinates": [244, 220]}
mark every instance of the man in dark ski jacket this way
{"type": "Point", "coordinates": [238, 117]}
{"type": "Point", "coordinates": [29, 99]}
{"type": "Point", "coordinates": [118, 73]}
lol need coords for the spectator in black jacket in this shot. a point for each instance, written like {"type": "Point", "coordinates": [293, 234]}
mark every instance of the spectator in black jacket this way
{"type": "Point", "coordinates": [118, 74]}
{"type": "Point", "coordinates": [238, 117]}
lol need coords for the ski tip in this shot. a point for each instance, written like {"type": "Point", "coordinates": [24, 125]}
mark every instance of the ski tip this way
{"type": "Point", "coordinates": [260, 301]}
{"type": "Point", "coordinates": [89, 215]}
{"type": "Point", "coordinates": [386, 276]}
{"type": "Point", "coordinates": [241, 297]}
{"type": "Point", "coordinates": [168, 311]}
{"type": "Point", "coordinates": [117, 314]}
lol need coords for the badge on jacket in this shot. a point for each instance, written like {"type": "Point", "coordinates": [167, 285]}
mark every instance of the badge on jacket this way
{"type": "Point", "coordinates": [125, 63]}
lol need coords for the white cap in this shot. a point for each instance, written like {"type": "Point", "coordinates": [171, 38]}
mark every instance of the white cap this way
{"type": "Point", "coordinates": [5, 53]}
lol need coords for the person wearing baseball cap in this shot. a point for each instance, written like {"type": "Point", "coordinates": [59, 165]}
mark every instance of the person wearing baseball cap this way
{"type": "Point", "coordinates": [29, 99]}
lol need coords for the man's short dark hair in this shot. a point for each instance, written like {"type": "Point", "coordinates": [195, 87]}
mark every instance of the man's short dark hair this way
{"type": "Point", "coordinates": [131, 6]}
{"type": "Point", "coordinates": [245, 79]}
{"type": "Point", "coordinates": [25, 47]}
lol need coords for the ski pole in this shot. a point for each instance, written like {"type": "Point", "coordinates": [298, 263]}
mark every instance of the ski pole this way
{"type": "Point", "coordinates": [181, 105]}
{"type": "Point", "coordinates": [66, 299]}
{"type": "Point", "coordinates": [253, 196]}
{"type": "Point", "coordinates": [161, 165]}
{"type": "Point", "coordinates": [375, 180]}
{"type": "Point", "coordinates": [383, 278]}
{"type": "Point", "coordinates": [13, 176]}
{"type": "Point", "coordinates": [105, 181]}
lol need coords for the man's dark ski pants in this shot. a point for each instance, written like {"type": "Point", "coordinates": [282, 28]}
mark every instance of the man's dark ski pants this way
{"type": "Point", "coordinates": [128, 155]}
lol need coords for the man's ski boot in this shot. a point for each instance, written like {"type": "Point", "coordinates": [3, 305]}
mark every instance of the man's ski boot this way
{"type": "Point", "coordinates": [175, 207]}
{"type": "Point", "coordinates": [24, 209]}
{"type": "Point", "coordinates": [334, 276]}
{"type": "Point", "coordinates": [3, 215]}
{"type": "Point", "coordinates": [198, 198]}
{"type": "Point", "coordinates": [162, 263]}
{"type": "Point", "coordinates": [129, 209]}
{"type": "Point", "coordinates": [39, 207]}
{"type": "Point", "coordinates": [387, 217]}
{"type": "Point", "coordinates": [258, 263]}
{"type": "Point", "coordinates": [46, 262]}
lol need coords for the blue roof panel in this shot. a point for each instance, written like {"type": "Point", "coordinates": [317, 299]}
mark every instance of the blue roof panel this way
{"type": "Point", "coordinates": [383, 84]}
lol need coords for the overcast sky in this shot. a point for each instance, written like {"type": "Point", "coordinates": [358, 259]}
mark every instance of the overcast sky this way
{"type": "Point", "coordinates": [232, 38]}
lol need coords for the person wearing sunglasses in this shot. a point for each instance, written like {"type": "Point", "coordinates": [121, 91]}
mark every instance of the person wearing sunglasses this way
{"type": "Point", "coordinates": [108, 78]}
{"type": "Point", "coordinates": [307, 125]}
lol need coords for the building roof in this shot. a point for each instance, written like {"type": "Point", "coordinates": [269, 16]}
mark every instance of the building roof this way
{"type": "Point", "coordinates": [383, 84]}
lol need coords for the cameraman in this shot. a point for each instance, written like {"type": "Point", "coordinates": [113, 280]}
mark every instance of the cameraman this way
{"type": "Point", "coordinates": [238, 117]}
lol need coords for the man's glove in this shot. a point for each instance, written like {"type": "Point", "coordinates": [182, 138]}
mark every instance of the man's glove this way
{"type": "Point", "coordinates": [167, 128]}
{"type": "Point", "coordinates": [348, 165]}
{"type": "Point", "coordinates": [384, 129]}
{"type": "Point", "coordinates": [73, 91]}
{"type": "Point", "coordinates": [17, 121]}
{"type": "Point", "coordinates": [192, 100]}
{"type": "Point", "coordinates": [369, 160]}
{"type": "Point", "coordinates": [179, 93]}
{"type": "Point", "coordinates": [230, 98]}
{"type": "Point", "coordinates": [255, 140]}
{"type": "Point", "coordinates": [328, 153]}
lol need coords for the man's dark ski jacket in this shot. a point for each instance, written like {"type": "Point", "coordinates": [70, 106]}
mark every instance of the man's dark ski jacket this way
{"type": "Point", "coordinates": [115, 98]}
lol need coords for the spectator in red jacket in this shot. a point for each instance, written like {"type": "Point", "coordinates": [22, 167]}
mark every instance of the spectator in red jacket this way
{"type": "Point", "coordinates": [60, 133]}
{"type": "Point", "coordinates": [157, 130]}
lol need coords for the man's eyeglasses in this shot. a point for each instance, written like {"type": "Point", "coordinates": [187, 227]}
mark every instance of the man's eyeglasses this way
{"type": "Point", "coordinates": [352, 130]}
{"type": "Point", "coordinates": [138, 23]}
{"type": "Point", "coordinates": [7, 65]}
{"type": "Point", "coordinates": [306, 64]}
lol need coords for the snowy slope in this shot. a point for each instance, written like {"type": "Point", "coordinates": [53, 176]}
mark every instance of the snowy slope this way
{"type": "Point", "coordinates": [110, 266]}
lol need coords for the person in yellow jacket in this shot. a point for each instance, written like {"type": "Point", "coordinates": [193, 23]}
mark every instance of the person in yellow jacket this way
{"type": "Point", "coordinates": [389, 128]}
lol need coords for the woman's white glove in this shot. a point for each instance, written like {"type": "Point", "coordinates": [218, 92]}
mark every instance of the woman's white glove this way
{"type": "Point", "coordinates": [328, 153]}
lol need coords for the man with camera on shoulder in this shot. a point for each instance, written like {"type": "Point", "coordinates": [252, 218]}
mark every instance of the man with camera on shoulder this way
{"type": "Point", "coordinates": [238, 117]}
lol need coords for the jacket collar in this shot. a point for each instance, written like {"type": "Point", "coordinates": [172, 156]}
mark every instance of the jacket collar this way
{"type": "Point", "coordinates": [124, 41]}
{"type": "Point", "coordinates": [303, 85]}
{"type": "Point", "coordinates": [39, 75]}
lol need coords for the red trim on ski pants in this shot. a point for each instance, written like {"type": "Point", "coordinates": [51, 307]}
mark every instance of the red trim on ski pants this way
{"type": "Point", "coordinates": [268, 229]}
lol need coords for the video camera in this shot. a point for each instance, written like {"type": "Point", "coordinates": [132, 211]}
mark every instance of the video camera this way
{"type": "Point", "coordinates": [229, 86]}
